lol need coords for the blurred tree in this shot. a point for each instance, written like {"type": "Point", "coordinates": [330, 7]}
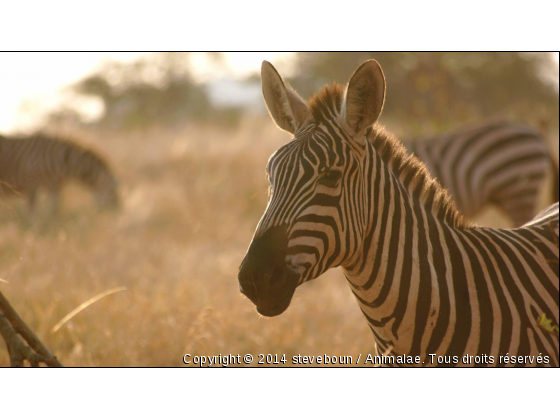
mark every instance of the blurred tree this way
{"type": "Point", "coordinates": [444, 88]}
{"type": "Point", "coordinates": [155, 89]}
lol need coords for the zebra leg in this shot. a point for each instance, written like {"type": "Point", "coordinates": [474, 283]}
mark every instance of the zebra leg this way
{"type": "Point", "coordinates": [28, 217]}
{"type": "Point", "coordinates": [54, 202]}
{"type": "Point", "coordinates": [32, 199]}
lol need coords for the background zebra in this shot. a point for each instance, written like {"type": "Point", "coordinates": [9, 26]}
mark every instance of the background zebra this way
{"type": "Point", "coordinates": [346, 193]}
{"type": "Point", "coordinates": [498, 162]}
{"type": "Point", "coordinates": [40, 161]}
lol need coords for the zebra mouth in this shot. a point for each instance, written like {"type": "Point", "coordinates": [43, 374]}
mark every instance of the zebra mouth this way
{"type": "Point", "coordinates": [278, 307]}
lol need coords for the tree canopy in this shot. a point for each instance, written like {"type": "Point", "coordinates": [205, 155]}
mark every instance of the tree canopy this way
{"type": "Point", "coordinates": [445, 88]}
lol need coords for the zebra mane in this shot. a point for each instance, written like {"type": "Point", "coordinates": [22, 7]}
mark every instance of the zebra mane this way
{"type": "Point", "coordinates": [326, 104]}
{"type": "Point", "coordinates": [415, 177]}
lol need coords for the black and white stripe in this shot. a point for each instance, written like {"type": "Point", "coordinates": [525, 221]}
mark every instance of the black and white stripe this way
{"type": "Point", "coordinates": [499, 163]}
{"type": "Point", "coordinates": [30, 163]}
{"type": "Point", "coordinates": [344, 193]}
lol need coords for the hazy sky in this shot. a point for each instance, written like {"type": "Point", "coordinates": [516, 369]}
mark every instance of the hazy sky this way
{"type": "Point", "coordinates": [32, 83]}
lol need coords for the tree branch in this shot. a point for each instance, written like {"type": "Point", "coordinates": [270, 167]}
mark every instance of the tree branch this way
{"type": "Point", "coordinates": [32, 350]}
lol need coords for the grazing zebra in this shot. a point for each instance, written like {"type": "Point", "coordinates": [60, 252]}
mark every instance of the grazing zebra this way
{"type": "Point", "coordinates": [500, 163]}
{"type": "Point", "coordinates": [345, 193]}
{"type": "Point", "coordinates": [39, 161]}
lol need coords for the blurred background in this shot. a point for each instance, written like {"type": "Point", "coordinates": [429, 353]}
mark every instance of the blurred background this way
{"type": "Point", "coordinates": [188, 136]}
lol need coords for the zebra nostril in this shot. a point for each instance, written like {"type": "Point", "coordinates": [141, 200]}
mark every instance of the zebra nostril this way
{"type": "Point", "coordinates": [246, 284]}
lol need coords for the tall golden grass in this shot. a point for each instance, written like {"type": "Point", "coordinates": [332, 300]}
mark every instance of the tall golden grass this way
{"type": "Point", "coordinates": [192, 198]}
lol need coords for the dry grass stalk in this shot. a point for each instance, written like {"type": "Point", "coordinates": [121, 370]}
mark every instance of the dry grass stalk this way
{"type": "Point", "coordinates": [84, 305]}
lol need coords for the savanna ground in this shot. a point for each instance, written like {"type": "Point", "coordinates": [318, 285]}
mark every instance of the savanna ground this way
{"type": "Point", "coordinates": [191, 200]}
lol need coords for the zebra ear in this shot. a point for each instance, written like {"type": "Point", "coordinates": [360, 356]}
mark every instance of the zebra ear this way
{"type": "Point", "coordinates": [285, 106]}
{"type": "Point", "coordinates": [365, 96]}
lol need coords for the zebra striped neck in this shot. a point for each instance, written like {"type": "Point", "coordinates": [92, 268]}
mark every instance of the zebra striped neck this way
{"type": "Point", "coordinates": [406, 209]}
{"type": "Point", "coordinates": [413, 177]}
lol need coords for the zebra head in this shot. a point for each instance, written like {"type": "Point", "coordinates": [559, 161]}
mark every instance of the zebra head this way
{"type": "Point", "coordinates": [104, 184]}
{"type": "Point", "coordinates": [316, 213]}
{"type": "Point", "coordinates": [91, 169]}
{"type": "Point", "coordinates": [107, 192]}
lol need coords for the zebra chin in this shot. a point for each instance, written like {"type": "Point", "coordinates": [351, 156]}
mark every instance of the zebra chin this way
{"type": "Point", "coordinates": [271, 309]}
{"type": "Point", "coordinates": [271, 290]}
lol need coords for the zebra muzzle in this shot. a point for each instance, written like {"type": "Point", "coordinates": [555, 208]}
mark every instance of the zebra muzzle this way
{"type": "Point", "coordinates": [264, 277]}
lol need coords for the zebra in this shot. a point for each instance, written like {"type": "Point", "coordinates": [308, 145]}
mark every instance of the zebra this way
{"type": "Point", "coordinates": [345, 193]}
{"type": "Point", "coordinates": [495, 162]}
{"type": "Point", "coordinates": [28, 163]}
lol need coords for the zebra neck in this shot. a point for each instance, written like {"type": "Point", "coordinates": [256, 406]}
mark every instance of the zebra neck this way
{"type": "Point", "coordinates": [395, 250]}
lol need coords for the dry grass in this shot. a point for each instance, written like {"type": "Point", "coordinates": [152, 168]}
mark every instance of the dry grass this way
{"type": "Point", "coordinates": [192, 199]}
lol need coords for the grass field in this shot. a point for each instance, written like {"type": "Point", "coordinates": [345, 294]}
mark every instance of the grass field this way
{"type": "Point", "coordinates": [192, 199]}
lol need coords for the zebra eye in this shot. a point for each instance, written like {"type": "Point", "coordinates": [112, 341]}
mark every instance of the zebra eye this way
{"type": "Point", "coordinates": [330, 178]}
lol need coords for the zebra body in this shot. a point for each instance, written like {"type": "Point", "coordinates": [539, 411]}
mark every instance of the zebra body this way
{"type": "Point", "coordinates": [30, 163]}
{"type": "Point", "coordinates": [346, 193]}
{"type": "Point", "coordinates": [499, 163]}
